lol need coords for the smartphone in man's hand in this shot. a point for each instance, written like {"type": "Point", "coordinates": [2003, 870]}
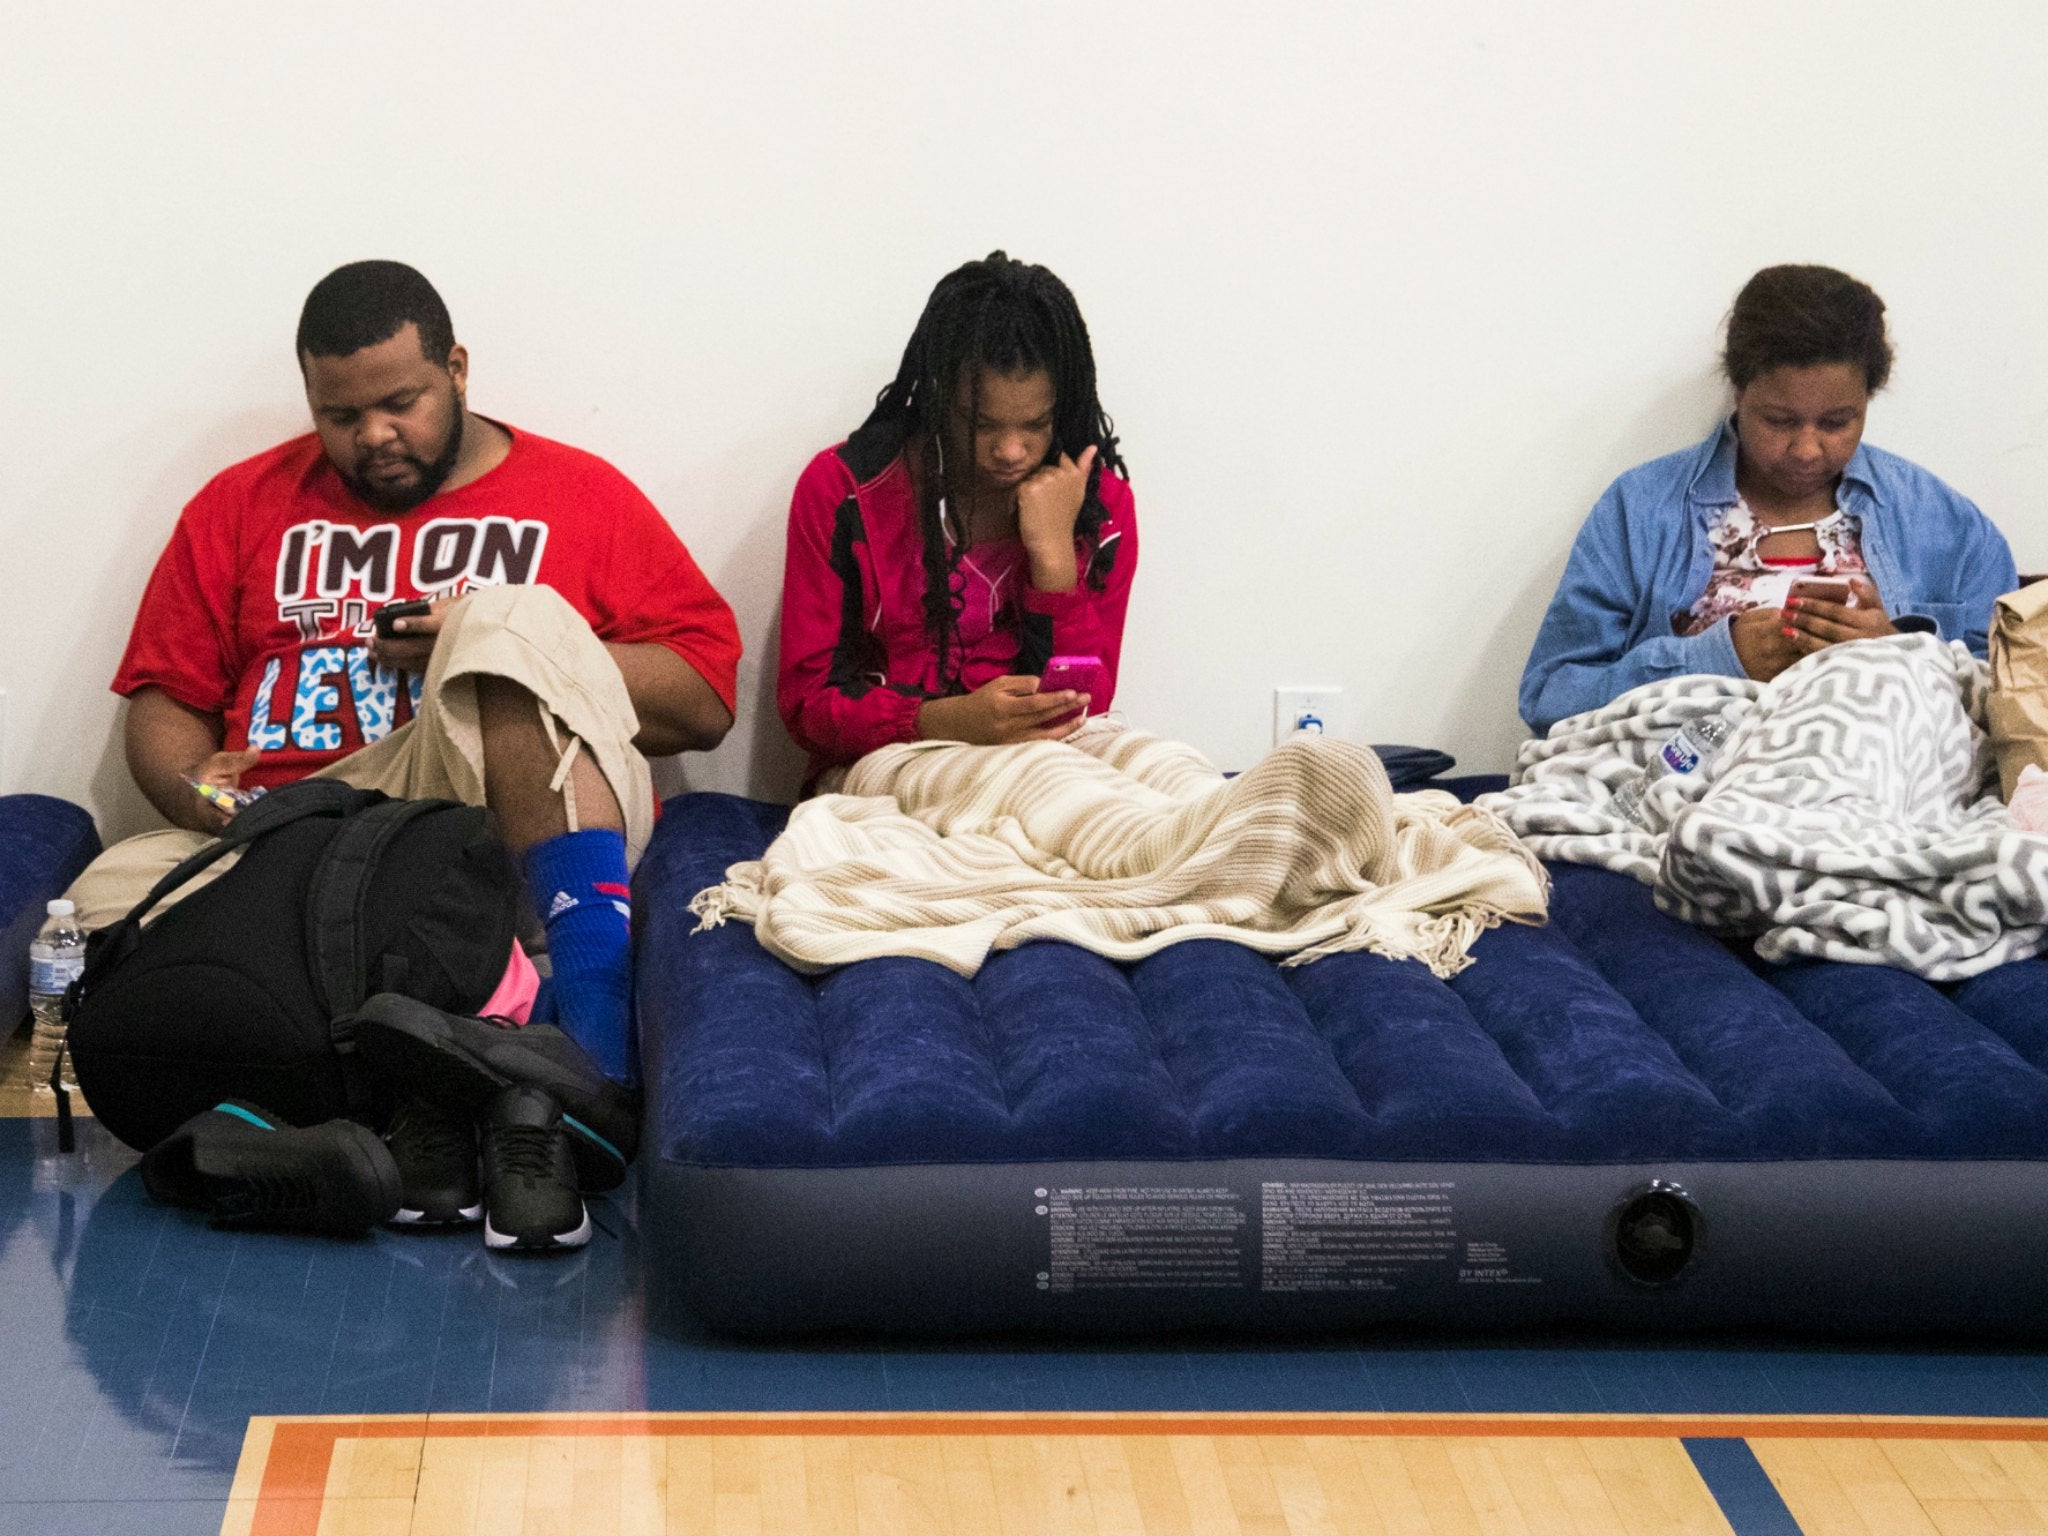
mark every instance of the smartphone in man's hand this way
{"type": "Point", "coordinates": [389, 615]}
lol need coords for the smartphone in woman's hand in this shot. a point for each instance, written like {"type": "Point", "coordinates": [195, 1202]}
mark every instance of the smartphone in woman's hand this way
{"type": "Point", "coordinates": [1823, 589]}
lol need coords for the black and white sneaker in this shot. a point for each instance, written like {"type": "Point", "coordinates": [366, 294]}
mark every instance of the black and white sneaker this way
{"type": "Point", "coordinates": [465, 1063]}
{"type": "Point", "coordinates": [245, 1168]}
{"type": "Point", "coordinates": [436, 1155]}
{"type": "Point", "coordinates": [530, 1198]}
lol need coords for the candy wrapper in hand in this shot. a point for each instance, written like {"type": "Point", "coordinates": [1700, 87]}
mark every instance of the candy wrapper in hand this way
{"type": "Point", "coordinates": [223, 799]}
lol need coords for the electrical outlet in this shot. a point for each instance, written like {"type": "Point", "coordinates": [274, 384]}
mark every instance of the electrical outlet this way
{"type": "Point", "coordinates": [1307, 709]}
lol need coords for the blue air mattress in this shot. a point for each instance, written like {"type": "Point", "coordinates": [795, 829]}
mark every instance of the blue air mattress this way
{"type": "Point", "coordinates": [44, 844]}
{"type": "Point", "coordinates": [1613, 1119]}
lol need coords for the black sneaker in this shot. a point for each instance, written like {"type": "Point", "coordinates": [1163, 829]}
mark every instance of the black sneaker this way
{"type": "Point", "coordinates": [246, 1168]}
{"type": "Point", "coordinates": [463, 1064]}
{"type": "Point", "coordinates": [530, 1198]}
{"type": "Point", "coordinates": [436, 1156]}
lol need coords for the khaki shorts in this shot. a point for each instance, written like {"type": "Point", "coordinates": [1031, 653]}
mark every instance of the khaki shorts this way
{"type": "Point", "coordinates": [526, 634]}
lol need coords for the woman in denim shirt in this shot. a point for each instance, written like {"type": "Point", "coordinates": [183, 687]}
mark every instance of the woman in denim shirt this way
{"type": "Point", "coordinates": [1688, 563]}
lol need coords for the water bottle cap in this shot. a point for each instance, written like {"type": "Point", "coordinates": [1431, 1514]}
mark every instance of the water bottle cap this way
{"type": "Point", "coordinates": [61, 908]}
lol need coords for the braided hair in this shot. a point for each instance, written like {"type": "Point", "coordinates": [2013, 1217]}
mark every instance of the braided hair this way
{"type": "Point", "coordinates": [1012, 318]}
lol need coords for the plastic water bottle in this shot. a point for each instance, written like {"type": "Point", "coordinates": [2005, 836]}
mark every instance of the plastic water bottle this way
{"type": "Point", "coordinates": [54, 961]}
{"type": "Point", "coordinates": [1691, 751]}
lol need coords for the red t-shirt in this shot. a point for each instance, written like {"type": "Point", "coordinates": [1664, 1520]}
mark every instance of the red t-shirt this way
{"type": "Point", "coordinates": [259, 609]}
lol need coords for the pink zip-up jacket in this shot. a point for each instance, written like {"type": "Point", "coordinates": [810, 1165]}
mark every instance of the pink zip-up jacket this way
{"type": "Point", "coordinates": [856, 662]}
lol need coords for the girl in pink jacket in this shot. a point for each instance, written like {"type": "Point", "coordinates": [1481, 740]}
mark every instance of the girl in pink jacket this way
{"type": "Point", "coordinates": [976, 525]}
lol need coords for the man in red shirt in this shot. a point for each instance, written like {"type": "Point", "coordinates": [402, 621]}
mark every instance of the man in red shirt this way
{"type": "Point", "coordinates": [568, 635]}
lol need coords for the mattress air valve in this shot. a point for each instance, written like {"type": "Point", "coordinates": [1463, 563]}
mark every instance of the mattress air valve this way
{"type": "Point", "coordinates": [1653, 1232]}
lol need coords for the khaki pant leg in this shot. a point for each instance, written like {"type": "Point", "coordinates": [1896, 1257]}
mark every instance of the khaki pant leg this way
{"type": "Point", "coordinates": [528, 635]}
{"type": "Point", "coordinates": [122, 875]}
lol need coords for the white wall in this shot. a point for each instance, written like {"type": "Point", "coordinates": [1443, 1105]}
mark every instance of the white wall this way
{"type": "Point", "coordinates": [1382, 294]}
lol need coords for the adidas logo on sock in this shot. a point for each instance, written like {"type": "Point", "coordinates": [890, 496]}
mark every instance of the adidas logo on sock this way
{"type": "Point", "coordinates": [563, 902]}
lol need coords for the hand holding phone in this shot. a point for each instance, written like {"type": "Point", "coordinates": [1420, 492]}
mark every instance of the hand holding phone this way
{"type": "Point", "coordinates": [1824, 611]}
{"type": "Point", "coordinates": [410, 648]}
{"type": "Point", "coordinates": [389, 615]}
{"type": "Point", "coordinates": [1000, 713]}
{"type": "Point", "coordinates": [1824, 589]}
{"type": "Point", "coordinates": [1079, 674]}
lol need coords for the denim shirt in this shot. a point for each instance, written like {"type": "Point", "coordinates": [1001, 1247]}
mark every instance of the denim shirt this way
{"type": "Point", "coordinates": [1643, 558]}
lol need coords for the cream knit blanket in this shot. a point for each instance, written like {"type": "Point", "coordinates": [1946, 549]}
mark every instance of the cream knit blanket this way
{"type": "Point", "coordinates": [1123, 843]}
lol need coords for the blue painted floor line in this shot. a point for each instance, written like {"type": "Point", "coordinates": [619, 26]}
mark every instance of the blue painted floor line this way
{"type": "Point", "coordinates": [1742, 1488]}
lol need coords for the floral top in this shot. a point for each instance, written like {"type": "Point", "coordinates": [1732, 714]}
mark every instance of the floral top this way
{"type": "Point", "coordinates": [1744, 579]}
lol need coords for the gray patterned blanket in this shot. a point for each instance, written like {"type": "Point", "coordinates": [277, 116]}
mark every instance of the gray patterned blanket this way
{"type": "Point", "coordinates": [1853, 814]}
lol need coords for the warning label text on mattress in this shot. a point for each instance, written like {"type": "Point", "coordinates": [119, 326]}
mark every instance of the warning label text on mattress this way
{"type": "Point", "coordinates": [1353, 1237]}
{"type": "Point", "coordinates": [1142, 1237]}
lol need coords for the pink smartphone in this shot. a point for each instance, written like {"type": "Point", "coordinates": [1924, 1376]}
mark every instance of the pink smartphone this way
{"type": "Point", "coordinates": [1081, 674]}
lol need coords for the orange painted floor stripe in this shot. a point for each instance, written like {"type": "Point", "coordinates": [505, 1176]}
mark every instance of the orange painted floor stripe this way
{"type": "Point", "coordinates": [295, 1474]}
{"type": "Point", "coordinates": [1633, 1426]}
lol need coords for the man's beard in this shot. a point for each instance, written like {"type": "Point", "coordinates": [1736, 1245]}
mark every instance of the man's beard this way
{"type": "Point", "coordinates": [431, 475]}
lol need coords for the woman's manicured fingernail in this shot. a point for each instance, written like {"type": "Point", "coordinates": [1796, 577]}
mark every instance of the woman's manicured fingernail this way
{"type": "Point", "coordinates": [1788, 632]}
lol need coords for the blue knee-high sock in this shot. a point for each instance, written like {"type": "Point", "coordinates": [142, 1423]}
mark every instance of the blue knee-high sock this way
{"type": "Point", "coordinates": [580, 888]}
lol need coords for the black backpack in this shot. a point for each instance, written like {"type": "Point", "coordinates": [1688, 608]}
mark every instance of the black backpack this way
{"type": "Point", "coordinates": [238, 991]}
